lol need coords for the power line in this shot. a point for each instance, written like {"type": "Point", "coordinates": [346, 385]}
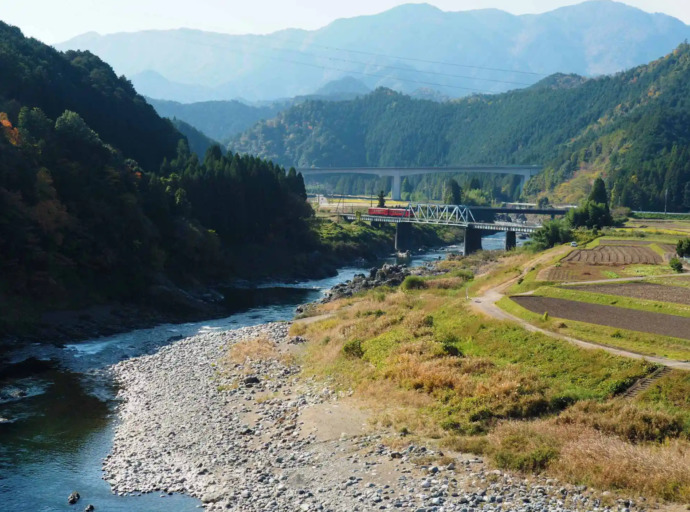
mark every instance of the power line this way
{"type": "Point", "coordinates": [398, 68]}
{"type": "Point", "coordinates": [307, 64]}
{"type": "Point", "coordinates": [413, 59]}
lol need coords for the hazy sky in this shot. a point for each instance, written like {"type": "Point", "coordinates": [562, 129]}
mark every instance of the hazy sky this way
{"type": "Point", "coordinates": [54, 21]}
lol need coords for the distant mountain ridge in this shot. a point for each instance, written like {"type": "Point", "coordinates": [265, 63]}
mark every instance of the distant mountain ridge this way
{"type": "Point", "coordinates": [404, 48]}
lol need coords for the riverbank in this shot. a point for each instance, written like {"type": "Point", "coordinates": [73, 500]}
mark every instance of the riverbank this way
{"type": "Point", "coordinates": [165, 301]}
{"type": "Point", "coordinates": [225, 417]}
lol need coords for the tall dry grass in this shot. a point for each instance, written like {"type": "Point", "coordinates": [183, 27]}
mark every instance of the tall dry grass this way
{"type": "Point", "coordinates": [632, 422]}
{"type": "Point", "coordinates": [606, 461]}
{"type": "Point", "coordinates": [584, 455]}
{"type": "Point", "coordinates": [255, 349]}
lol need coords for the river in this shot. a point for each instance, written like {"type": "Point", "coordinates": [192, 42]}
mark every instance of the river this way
{"type": "Point", "coordinates": [57, 406]}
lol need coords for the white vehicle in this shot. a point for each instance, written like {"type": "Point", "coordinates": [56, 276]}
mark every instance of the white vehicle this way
{"type": "Point", "coordinates": [573, 244]}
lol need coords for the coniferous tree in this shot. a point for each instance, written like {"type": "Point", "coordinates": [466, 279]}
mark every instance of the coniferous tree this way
{"type": "Point", "coordinates": [453, 192]}
{"type": "Point", "coordinates": [598, 193]}
{"type": "Point", "coordinates": [381, 199]}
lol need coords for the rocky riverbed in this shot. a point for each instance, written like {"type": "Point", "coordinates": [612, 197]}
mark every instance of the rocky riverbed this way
{"type": "Point", "coordinates": [250, 435]}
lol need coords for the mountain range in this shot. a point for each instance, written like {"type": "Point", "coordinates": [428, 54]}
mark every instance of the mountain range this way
{"type": "Point", "coordinates": [405, 48]}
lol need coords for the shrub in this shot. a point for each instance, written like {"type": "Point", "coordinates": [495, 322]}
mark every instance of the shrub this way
{"type": "Point", "coordinates": [676, 265]}
{"type": "Point", "coordinates": [379, 296]}
{"type": "Point", "coordinates": [451, 350]}
{"type": "Point", "coordinates": [522, 449]}
{"type": "Point", "coordinates": [353, 349]}
{"type": "Point", "coordinates": [464, 274]}
{"type": "Point", "coordinates": [632, 423]}
{"type": "Point", "coordinates": [413, 283]}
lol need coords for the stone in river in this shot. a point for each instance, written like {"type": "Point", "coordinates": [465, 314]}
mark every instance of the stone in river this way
{"type": "Point", "coordinates": [73, 498]}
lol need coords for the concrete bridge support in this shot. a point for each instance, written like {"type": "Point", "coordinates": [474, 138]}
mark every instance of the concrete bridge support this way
{"type": "Point", "coordinates": [473, 241]}
{"type": "Point", "coordinates": [396, 187]}
{"type": "Point", "coordinates": [403, 236]}
{"type": "Point", "coordinates": [511, 240]}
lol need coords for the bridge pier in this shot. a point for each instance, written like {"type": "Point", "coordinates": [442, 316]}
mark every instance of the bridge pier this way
{"type": "Point", "coordinates": [403, 232]}
{"type": "Point", "coordinates": [473, 241]}
{"type": "Point", "coordinates": [397, 185]}
{"type": "Point", "coordinates": [511, 240]}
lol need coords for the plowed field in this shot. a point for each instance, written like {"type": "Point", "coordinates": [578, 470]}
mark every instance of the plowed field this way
{"type": "Point", "coordinates": [647, 291]}
{"type": "Point", "coordinates": [611, 316]}
{"type": "Point", "coordinates": [615, 255]}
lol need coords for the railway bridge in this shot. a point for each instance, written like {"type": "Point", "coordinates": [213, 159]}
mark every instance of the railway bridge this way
{"type": "Point", "coordinates": [397, 173]}
{"type": "Point", "coordinates": [450, 215]}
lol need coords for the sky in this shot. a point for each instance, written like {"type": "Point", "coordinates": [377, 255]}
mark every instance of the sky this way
{"type": "Point", "coordinates": [55, 21]}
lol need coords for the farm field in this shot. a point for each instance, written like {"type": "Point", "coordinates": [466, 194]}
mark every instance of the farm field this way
{"type": "Point", "coordinates": [609, 254]}
{"type": "Point", "coordinates": [659, 225]}
{"type": "Point", "coordinates": [610, 316]}
{"type": "Point", "coordinates": [608, 258]}
{"type": "Point", "coordinates": [645, 291]}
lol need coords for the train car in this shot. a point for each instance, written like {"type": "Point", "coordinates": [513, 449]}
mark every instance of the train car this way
{"type": "Point", "coordinates": [389, 212]}
{"type": "Point", "coordinates": [398, 212]}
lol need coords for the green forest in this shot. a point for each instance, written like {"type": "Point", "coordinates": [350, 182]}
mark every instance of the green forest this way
{"type": "Point", "coordinates": [631, 128]}
{"type": "Point", "coordinates": [100, 198]}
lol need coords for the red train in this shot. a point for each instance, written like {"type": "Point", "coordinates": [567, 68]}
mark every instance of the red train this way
{"type": "Point", "coordinates": [390, 212]}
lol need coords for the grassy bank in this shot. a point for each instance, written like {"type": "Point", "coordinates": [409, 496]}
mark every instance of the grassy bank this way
{"type": "Point", "coordinates": [345, 241]}
{"type": "Point", "coordinates": [432, 368]}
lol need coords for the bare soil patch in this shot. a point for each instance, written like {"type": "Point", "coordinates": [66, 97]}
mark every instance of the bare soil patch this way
{"type": "Point", "coordinates": [640, 243]}
{"type": "Point", "coordinates": [610, 316]}
{"type": "Point", "coordinates": [615, 255]}
{"type": "Point", "coordinates": [578, 272]}
{"type": "Point", "coordinates": [647, 291]}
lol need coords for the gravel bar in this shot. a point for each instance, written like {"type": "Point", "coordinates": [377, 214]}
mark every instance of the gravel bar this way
{"type": "Point", "coordinates": [255, 437]}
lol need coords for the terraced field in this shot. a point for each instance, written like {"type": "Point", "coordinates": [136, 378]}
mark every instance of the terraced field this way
{"type": "Point", "coordinates": [618, 254]}
{"type": "Point", "coordinates": [646, 291]}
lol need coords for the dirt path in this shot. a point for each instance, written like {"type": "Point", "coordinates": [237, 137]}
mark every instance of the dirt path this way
{"type": "Point", "coordinates": [486, 304]}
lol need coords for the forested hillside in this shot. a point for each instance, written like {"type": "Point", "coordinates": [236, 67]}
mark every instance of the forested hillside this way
{"type": "Point", "coordinates": [82, 223]}
{"type": "Point", "coordinates": [222, 120]}
{"type": "Point", "coordinates": [198, 141]}
{"type": "Point", "coordinates": [35, 75]}
{"type": "Point", "coordinates": [217, 119]}
{"type": "Point", "coordinates": [631, 127]}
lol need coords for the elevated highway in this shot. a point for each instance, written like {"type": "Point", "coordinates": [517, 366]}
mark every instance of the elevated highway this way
{"type": "Point", "coordinates": [397, 173]}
